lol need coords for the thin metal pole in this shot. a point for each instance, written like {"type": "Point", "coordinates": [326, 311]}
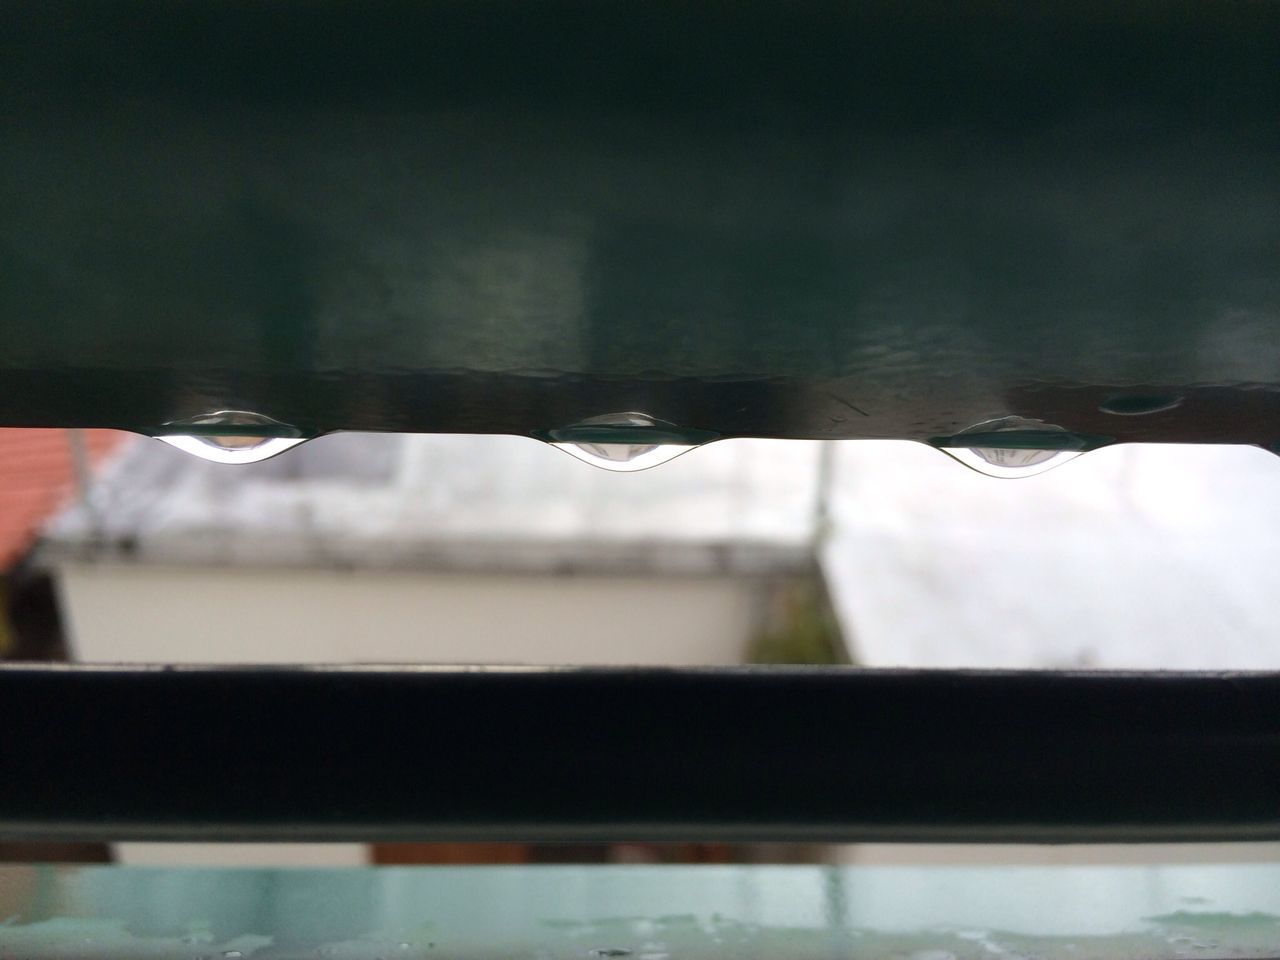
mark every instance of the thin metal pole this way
{"type": "Point", "coordinates": [82, 471]}
{"type": "Point", "coordinates": [822, 492]}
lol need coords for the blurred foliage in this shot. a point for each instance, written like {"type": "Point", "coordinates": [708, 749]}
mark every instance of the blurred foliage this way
{"type": "Point", "coordinates": [801, 627]}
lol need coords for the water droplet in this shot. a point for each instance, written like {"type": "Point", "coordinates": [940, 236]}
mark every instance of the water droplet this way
{"type": "Point", "coordinates": [1010, 461]}
{"type": "Point", "coordinates": [610, 952]}
{"type": "Point", "coordinates": [1016, 447]}
{"type": "Point", "coordinates": [1139, 404]}
{"type": "Point", "coordinates": [625, 442]}
{"type": "Point", "coordinates": [231, 436]}
{"type": "Point", "coordinates": [405, 946]}
{"type": "Point", "coordinates": [232, 954]}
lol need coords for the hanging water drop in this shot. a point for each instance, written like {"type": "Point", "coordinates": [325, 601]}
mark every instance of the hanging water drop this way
{"type": "Point", "coordinates": [1010, 462]}
{"type": "Point", "coordinates": [625, 442]}
{"type": "Point", "coordinates": [1140, 404]}
{"type": "Point", "coordinates": [231, 436]}
{"type": "Point", "coordinates": [1013, 447]}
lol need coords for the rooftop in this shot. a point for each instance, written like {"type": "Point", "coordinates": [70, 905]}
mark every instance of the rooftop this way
{"type": "Point", "coordinates": [494, 504]}
{"type": "Point", "coordinates": [37, 474]}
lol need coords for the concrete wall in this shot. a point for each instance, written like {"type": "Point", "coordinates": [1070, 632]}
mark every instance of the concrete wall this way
{"type": "Point", "coordinates": [146, 614]}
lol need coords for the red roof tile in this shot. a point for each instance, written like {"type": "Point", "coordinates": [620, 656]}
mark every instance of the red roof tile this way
{"type": "Point", "coordinates": [36, 479]}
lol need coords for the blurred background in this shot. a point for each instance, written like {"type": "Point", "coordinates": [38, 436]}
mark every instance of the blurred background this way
{"type": "Point", "coordinates": [362, 548]}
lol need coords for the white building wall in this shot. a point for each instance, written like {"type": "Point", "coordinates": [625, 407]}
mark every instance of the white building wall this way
{"type": "Point", "coordinates": [142, 614]}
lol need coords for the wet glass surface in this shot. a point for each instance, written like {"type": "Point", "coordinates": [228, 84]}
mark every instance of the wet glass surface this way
{"type": "Point", "coordinates": [1191, 912]}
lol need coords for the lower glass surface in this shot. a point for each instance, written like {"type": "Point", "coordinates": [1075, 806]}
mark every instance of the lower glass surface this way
{"type": "Point", "coordinates": [646, 913]}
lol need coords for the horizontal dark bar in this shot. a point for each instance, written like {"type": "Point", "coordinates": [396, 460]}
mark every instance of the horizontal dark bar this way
{"type": "Point", "coordinates": [727, 754]}
{"type": "Point", "coordinates": [815, 219]}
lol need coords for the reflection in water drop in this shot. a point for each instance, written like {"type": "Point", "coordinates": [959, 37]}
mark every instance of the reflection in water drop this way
{"type": "Point", "coordinates": [625, 442]}
{"type": "Point", "coordinates": [1004, 464]}
{"type": "Point", "coordinates": [231, 436]}
{"type": "Point", "coordinates": [1139, 404]}
{"type": "Point", "coordinates": [1014, 447]}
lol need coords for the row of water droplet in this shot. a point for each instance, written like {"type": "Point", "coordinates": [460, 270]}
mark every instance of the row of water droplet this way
{"type": "Point", "coordinates": [632, 441]}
